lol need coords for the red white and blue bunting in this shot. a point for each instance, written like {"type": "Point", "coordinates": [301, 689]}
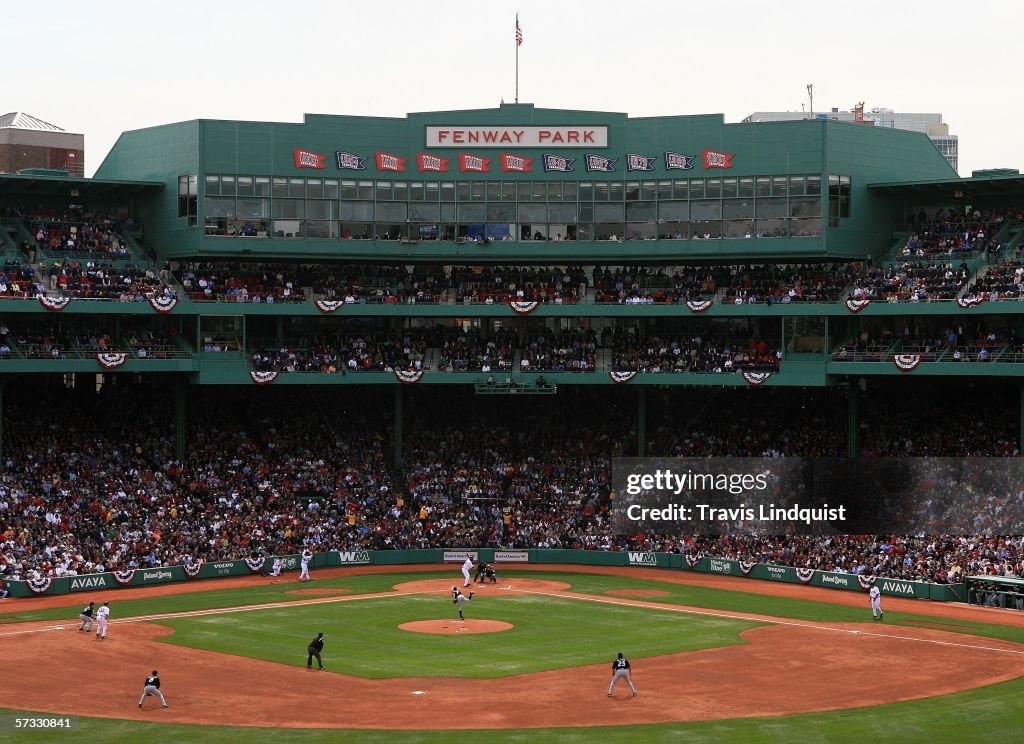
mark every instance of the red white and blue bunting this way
{"type": "Point", "coordinates": [124, 578]}
{"type": "Point", "coordinates": [855, 306]}
{"type": "Point", "coordinates": [111, 359]}
{"type": "Point", "coordinates": [620, 378]}
{"type": "Point", "coordinates": [523, 308]}
{"type": "Point", "coordinates": [747, 566]}
{"type": "Point", "coordinates": [53, 304]}
{"type": "Point", "coordinates": [906, 362]}
{"type": "Point", "coordinates": [328, 306]}
{"type": "Point", "coordinates": [255, 564]}
{"type": "Point", "coordinates": [866, 582]}
{"type": "Point", "coordinates": [192, 569]}
{"type": "Point", "coordinates": [40, 585]}
{"type": "Point", "coordinates": [692, 560]}
{"type": "Point", "coordinates": [263, 378]}
{"type": "Point", "coordinates": [163, 304]}
{"type": "Point", "coordinates": [408, 376]}
{"type": "Point", "coordinates": [756, 378]}
{"type": "Point", "coordinates": [699, 306]}
{"type": "Point", "coordinates": [805, 575]}
{"type": "Point", "coordinates": [969, 301]}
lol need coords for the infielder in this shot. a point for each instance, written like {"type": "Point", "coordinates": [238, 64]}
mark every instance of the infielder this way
{"type": "Point", "coordinates": [459, 599]}
{"type": "Point", "coordinates": [86, 617]}
{"type": "Point", "coordinates": [101, 620]}
{"type": "Point", "coordinates": [278, 566]}
{"type": "Point", "coordinates": [306, 558]}
{"type": "Point", "coordinates": [876, 603]}
{"type": "Point", "coordinates": [620, 670]}
{"type": "Point", "coordinates": [152, 687]}
{"type": "Point", "coordinates": [467, 566]}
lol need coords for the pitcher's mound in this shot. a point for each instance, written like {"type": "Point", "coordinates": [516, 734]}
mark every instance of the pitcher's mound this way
{"type": "Point", "coordinates": [456, 627]}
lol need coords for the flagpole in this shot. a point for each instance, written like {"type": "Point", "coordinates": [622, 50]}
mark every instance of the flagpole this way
{"type": "Point", "coordinates": [517, 58]}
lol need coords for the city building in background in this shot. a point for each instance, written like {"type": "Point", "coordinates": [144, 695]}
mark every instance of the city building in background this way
{"type": "Point", "coordinates": [28, 143]}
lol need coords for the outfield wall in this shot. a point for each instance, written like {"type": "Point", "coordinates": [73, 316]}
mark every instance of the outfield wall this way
{"type": "Point", "coordinates": [503, 558]}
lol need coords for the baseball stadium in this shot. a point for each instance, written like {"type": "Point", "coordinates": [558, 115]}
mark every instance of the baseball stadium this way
{"type": "Point", "coordinates": [386, 379]}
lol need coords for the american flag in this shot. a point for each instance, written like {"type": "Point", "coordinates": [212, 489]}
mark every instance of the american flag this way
{"type": "Point", "coordinates": [519, 33]}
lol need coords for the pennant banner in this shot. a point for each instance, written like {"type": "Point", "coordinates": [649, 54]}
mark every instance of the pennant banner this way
{"type": "Point", "coordinates": [262, 378]}
{"type": "Point", "coordinates": [473, 163]}
{"type": "Point", "coordinates": [111, 359]}
{"type": "Point", "coordinates": [328, 306]}
{"type": "Point", "coordinates": [699, 306]}
{"type": "Point", "coordinates": [408, 376]}
{"type": "Point", "coordinates": [55, 304]}
{"type": "Point", "coordinates": [620, 378]}
{"type": "Point", "coordinates": [855, 306]}
{"type": "Point", "coordinates": [906, 362]}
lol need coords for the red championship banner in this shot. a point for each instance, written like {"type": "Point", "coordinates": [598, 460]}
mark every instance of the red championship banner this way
{"type": "Point", "coordinates": [515, 163]}
{"type": "Point", "coordinates": [431, 163]}
{"type": "Point", "coordinates": [715, 159]}
{"type": "Point", "coordinates": [473, 163]}
{"type": "Point", "coordinates": [388, 162]}
{"type": "Point", "coordinates": [307, 159]}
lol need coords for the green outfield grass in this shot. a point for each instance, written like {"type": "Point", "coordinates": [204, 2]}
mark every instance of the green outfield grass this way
{"type": "Point", "coordinates": [990, 714]}
{"type": "Point", "coordinates": [548, 633]}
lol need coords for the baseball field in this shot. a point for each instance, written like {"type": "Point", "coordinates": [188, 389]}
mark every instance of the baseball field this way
{"type": "Point", "coordinates": [715, 659]}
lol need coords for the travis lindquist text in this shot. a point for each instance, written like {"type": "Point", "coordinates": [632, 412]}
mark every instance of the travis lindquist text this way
{"type": "Point", "coordinates": [763, 513]}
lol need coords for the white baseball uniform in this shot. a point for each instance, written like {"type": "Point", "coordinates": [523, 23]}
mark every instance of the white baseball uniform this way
{"type": "Point", "coordinates": [101, 621]}
{"type": "Point", "coordinates": [278, 565]}
{"type": "Point", "coordinates": [306, 558]}
{"type": "Point", "coordinates": [466, 568]}
{"type": "Point", "coordinates": [876, 603]}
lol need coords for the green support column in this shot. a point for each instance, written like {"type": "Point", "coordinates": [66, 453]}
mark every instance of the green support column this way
{"type": "Point", "coordinates": [2, 383]}
{"type": "Point", "coordinates": [180, 400]}
{"type": "Point", "coordinates": [280, 332]}
{"type": "Point", "coordinates": [398, 426]}
{"type": "Point", "coordinates": [641, 421]}
{"type": "Point", "coordinates": [853, 428]}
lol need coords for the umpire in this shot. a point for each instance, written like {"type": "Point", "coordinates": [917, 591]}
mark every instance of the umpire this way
{"type": "Point", "coordinates": [313, 650]}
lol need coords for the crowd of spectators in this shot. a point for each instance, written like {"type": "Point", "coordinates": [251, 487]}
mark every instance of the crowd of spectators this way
{"type": "Point", "coordinates": [949, 232]}
{"type": "Point", "coordinates": [913, 281]}
{"type": "Point", "coordinates": [77, 232]}
{"type": "Point", "coordinates": [1002, 281]}
{"type": "Point", "coordinates": [677, 353]}
{"type": "Point", "coordinates": [339, 352]}
{"type": "Point", "coordinates": [233, 282]}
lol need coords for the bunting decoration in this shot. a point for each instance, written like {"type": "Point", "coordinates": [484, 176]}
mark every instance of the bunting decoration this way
{"type": "Point", "coordinates": [699, 306]}
{"type": "Point", "coordinates": [620, 378]}
{"type": "Point", "coordinates": [124, 578]}
{"type": "Point", "coordinates": [192, 569]}
{"type": "Point", "coordinates": [255, 563]}
{"type": "Point", "coordinates": [263, 378]}
{"type": "Point", "coordinates": [692, 560]}
{"type": "Point", "coordinates": [969, 301]}
{"type": "Point", "coordinates": [408, 376]}
{"type": "Point", "coordinates": [756, 378]}
{"type": "Point", "coordinates": [54, 304]}
{"type": "Point", "coordinates": [111, 359]}
{"type": "Point", "coordinates": [328, 306]}
{"type": "Point", "coordinates": [523, 308]}
{"type": "Point", "coordinates": [805, 575]}
{"type": "Point", "coordinates": [855, 306]}
{"type": "Point", "coordinates": [163, 304]}
{"type": "Point", "coordinates": [906, 362]}
{"type": "Point", "coordinates": [747, 566]}
{"type": "Point", "coordinates": [39, 585]}
{"type": "Point", "coordinates": [866, 582]}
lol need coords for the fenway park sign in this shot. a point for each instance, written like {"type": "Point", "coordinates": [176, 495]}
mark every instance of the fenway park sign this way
{"type": "Point", "coordinates": [455, 136]}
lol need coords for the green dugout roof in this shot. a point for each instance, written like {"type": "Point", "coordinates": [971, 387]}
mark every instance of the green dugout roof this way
{"type": "Point", "coordinates": [1014, 581]}
{"type": "Point", "coordinates": [58, 183]}
{"type": "Point", "coordinates": [998, 183]}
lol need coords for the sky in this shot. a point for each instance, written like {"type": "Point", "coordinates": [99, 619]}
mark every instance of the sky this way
{"type": "Point", "coordinates": [102, 67]}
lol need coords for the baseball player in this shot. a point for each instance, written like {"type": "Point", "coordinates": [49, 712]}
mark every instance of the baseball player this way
{"type": "Point", "coordinates": [620, 670]}
{"type": "Point", "coordinates": [876, 603]}
{"type": "Point", "coordinates": [101, 620]}
{"type": "Point", "coordinates": [467, 566]}
{"type": "Point", "coordinates": [86, 617]}
{"type": "Point", "coordinates": [278, 566]}
{"type": "Point", "coordinates": [313, 651]}
{"type": "Point", "coordinates": [459, 599]}
{"type": "Point", "coordinates": [152, 687]}
{"type": "Point", "coordinates": [306, 558]}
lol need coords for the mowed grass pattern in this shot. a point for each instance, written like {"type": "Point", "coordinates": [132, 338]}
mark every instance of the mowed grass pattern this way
{"type": "Point", "coordinates": [363, 637]}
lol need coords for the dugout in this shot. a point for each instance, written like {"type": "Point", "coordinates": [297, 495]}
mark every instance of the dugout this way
{"type": "Point", "coordinates": [996, 591]}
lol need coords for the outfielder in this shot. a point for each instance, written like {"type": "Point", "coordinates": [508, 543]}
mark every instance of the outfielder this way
{"type": "Point", "coordinates": [101, 619]}
{"type": "Point", "coordinates": [306, 558]}
{"type": "Point", "coordinates": [467, 566]}
{"type": "Point", "coordinates": [620, 670]}
{"type": "Point", "coordinates": [876, 603]}
{"type": "Point", "coordinates": [86, 617]}
{"type": "Point", "coordinates": [152, 687]}
{"type": "Point", "coordinates": [459, 599]}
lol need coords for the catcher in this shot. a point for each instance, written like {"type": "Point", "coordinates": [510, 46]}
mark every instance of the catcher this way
{"type": "Point", "coordinates": [485, 571]}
